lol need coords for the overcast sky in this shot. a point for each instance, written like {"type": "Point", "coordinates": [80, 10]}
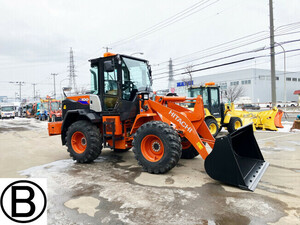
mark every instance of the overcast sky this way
{"type": "Point", "coordinates": [36, 36]}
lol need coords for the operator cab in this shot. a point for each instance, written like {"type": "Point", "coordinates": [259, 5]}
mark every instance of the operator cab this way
{"type": "Point", "coordinates": [117, 79]}
{"type": "Point", "coordinates": [211, 98]}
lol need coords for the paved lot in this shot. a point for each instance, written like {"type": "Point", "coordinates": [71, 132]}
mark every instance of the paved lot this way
{"type": "Point", "coordinates": [114, 190]}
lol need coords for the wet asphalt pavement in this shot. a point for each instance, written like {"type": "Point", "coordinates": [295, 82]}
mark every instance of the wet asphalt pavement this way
{"type": "Point", "coordinates": [115, 190]}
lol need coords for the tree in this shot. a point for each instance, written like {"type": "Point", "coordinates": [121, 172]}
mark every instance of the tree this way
{"type": "Point", "coordinates": [189, 69]}
{"type": "Point", "coordinates": [234, 92]}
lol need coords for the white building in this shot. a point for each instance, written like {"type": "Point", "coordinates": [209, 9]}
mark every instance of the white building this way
{"type": "Point", "coordinates": [256, 83]}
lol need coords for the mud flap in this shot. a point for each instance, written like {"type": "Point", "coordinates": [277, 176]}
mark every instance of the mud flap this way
{"type": "Point", "coordinates": [237, 160]}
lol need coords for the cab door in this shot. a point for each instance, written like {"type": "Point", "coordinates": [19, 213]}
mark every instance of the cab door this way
{"type": "Point", "coordinates": [110, 85]}
{"type": "Point", "coordinates": [214, 100]}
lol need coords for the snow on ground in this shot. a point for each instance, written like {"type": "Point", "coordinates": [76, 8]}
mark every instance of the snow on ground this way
{"type": "Point", "coordinates": [286, 128]}
{"type": "Point", "coordinates": [22, 123]}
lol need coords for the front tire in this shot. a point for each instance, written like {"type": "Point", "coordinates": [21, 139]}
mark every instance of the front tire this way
{"type": "Point", "coordinates": [157, 147]}
{"type": "Point", "coordinates": [234, 124]}
{"type": "Point", "coordinates": [188, 150]}
{"type": "Point", "coordinates": [213, 126]}
{"type": "Point", "coordinates": [84, 141]}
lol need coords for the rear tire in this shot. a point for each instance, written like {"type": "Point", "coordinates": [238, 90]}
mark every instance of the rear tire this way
{"type": "Point", "coordinates": [213, 126]}
{"type": "Point", "coordinates": [234, 124]}
{"type": "Point", "coordinates": [157, 147]}
{"type": "Point", "coordinates": [188, 150]}
{"type": "Point", "coordinates": [84, 141]}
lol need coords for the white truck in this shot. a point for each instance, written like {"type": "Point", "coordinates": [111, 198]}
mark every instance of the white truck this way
{"type": "Point", "coordinates": [7, 111]}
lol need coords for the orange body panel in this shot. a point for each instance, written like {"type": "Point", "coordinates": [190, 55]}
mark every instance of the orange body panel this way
{"type": "Point", "coordinates": [54, 128]}
{"type": "Point", "coordinates": [140, 120]}
{"type": "Point", "coordinates": [121, 144]}
{"type": "Point", "coordinates": [118, 124]}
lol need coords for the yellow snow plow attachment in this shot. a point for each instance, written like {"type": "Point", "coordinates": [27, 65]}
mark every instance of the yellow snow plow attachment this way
{"type": "Point", "coordinates": [270, 119]}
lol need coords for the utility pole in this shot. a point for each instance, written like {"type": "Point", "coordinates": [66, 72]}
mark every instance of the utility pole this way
{"type": "Point", "coordinates": [272, 50]}
{"type": "Point", "coordinates": [20, 83]}
{"type": "Point", "coordinates": [171, 78]}
{"type": "Point", "coordinates": [106, 48]}
{"type": "Point", "coordinates": [34, 91]}
{"type": "Point", "coordinates": [284, 72]}
{"type": "Point", "coordinates": [54, 74]}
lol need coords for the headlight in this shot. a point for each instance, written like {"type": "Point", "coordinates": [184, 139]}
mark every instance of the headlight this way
{"type": "Point", "coordinates": [146, 96]}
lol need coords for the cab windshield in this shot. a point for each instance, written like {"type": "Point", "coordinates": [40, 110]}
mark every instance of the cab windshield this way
{"type": "Point", "coordinates": [139, 72]}
{"type": "Point", "coordinates": [44, 106]}
{"type": "Point", "coordinates": [194, 92]}
{"type": "Point", "coordinates": [7, 108]}
{"type": "Point", "coordinates": [55, 106]}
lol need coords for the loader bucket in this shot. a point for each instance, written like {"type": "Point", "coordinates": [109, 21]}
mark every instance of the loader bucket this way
{"type": "Point", "coordinates": [236, 159]}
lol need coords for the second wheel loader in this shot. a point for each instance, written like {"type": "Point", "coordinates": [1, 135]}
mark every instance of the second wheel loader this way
{"type": "Point", "coordinates": [218, 114]}
{"type": "Point", "coordinates": [119, 113]}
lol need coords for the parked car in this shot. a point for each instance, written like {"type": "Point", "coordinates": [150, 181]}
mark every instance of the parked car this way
{"type": "Point", "coordinates": [280, 104]}
{"type": "Point", "coordinates": [249, 106]}
{"type": "Point", "coordinates": [292, 104]}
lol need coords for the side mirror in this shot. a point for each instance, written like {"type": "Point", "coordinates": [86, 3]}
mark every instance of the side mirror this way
{"type": "Point", "coordinates": [109, 66]}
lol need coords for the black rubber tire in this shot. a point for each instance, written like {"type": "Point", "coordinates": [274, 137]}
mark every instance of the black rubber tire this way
{"type": "Point", "coordinates": [210, 121]}
{"type": "Point", "coordinates": [93, 139]}
{"type": "Point", "coordinates": [231, 126]}
{"type": "Point", "coordinates": [121, 150]}
{"type": "Point", "coordinates": [190, 152]}
{"type": "Point", "coordinates": [170, 140]}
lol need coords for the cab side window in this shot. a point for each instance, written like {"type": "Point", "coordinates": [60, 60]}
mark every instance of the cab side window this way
{"type": "Point", "coordinates": [214, 97]}
{"type": "Point", "coordinates": [110, 89]}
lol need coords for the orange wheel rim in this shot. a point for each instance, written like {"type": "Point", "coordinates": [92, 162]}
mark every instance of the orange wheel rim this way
{"type": "Point", "coordinates": [78, 142]}
{"type": "Point", "coordinates": [152, 148]}
{"type": "Point", "coordinates": [186, 144]}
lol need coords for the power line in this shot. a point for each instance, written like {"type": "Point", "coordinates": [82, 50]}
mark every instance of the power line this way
{"type": "Point", "coordinates": [167, 22]}
{"type": "Point", "coordinates": [258, 36]}
{"type": "Point", "coordinates": [224, 64]}
{"type": "Point", "coordinates": [221, 58]}
{"type": "Point", "coordinates": [20, 84]}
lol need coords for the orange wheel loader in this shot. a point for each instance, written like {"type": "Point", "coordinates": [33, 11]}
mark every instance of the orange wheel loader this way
{"type": "Point", "coordinates": [118, 113]}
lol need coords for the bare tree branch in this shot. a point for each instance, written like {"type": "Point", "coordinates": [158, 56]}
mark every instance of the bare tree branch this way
{"type": "Point", "coordinates": [189, 69]}
{"type": "Point", "coordinates": [234, 92]}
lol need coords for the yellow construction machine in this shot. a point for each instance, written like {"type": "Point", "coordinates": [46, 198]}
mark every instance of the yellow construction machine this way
{"type": "Point", "coordinates": [218, 115]}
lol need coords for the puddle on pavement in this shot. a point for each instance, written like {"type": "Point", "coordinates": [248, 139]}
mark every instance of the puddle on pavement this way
{"type": "Point", "coordinates": [124, 201]}
{"type": "Point", "coordinates": [10, 129]}
{"type": "Point", "coordinates": [297, 170]}
{"type": "Point", "coordinates": [282, 148]}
